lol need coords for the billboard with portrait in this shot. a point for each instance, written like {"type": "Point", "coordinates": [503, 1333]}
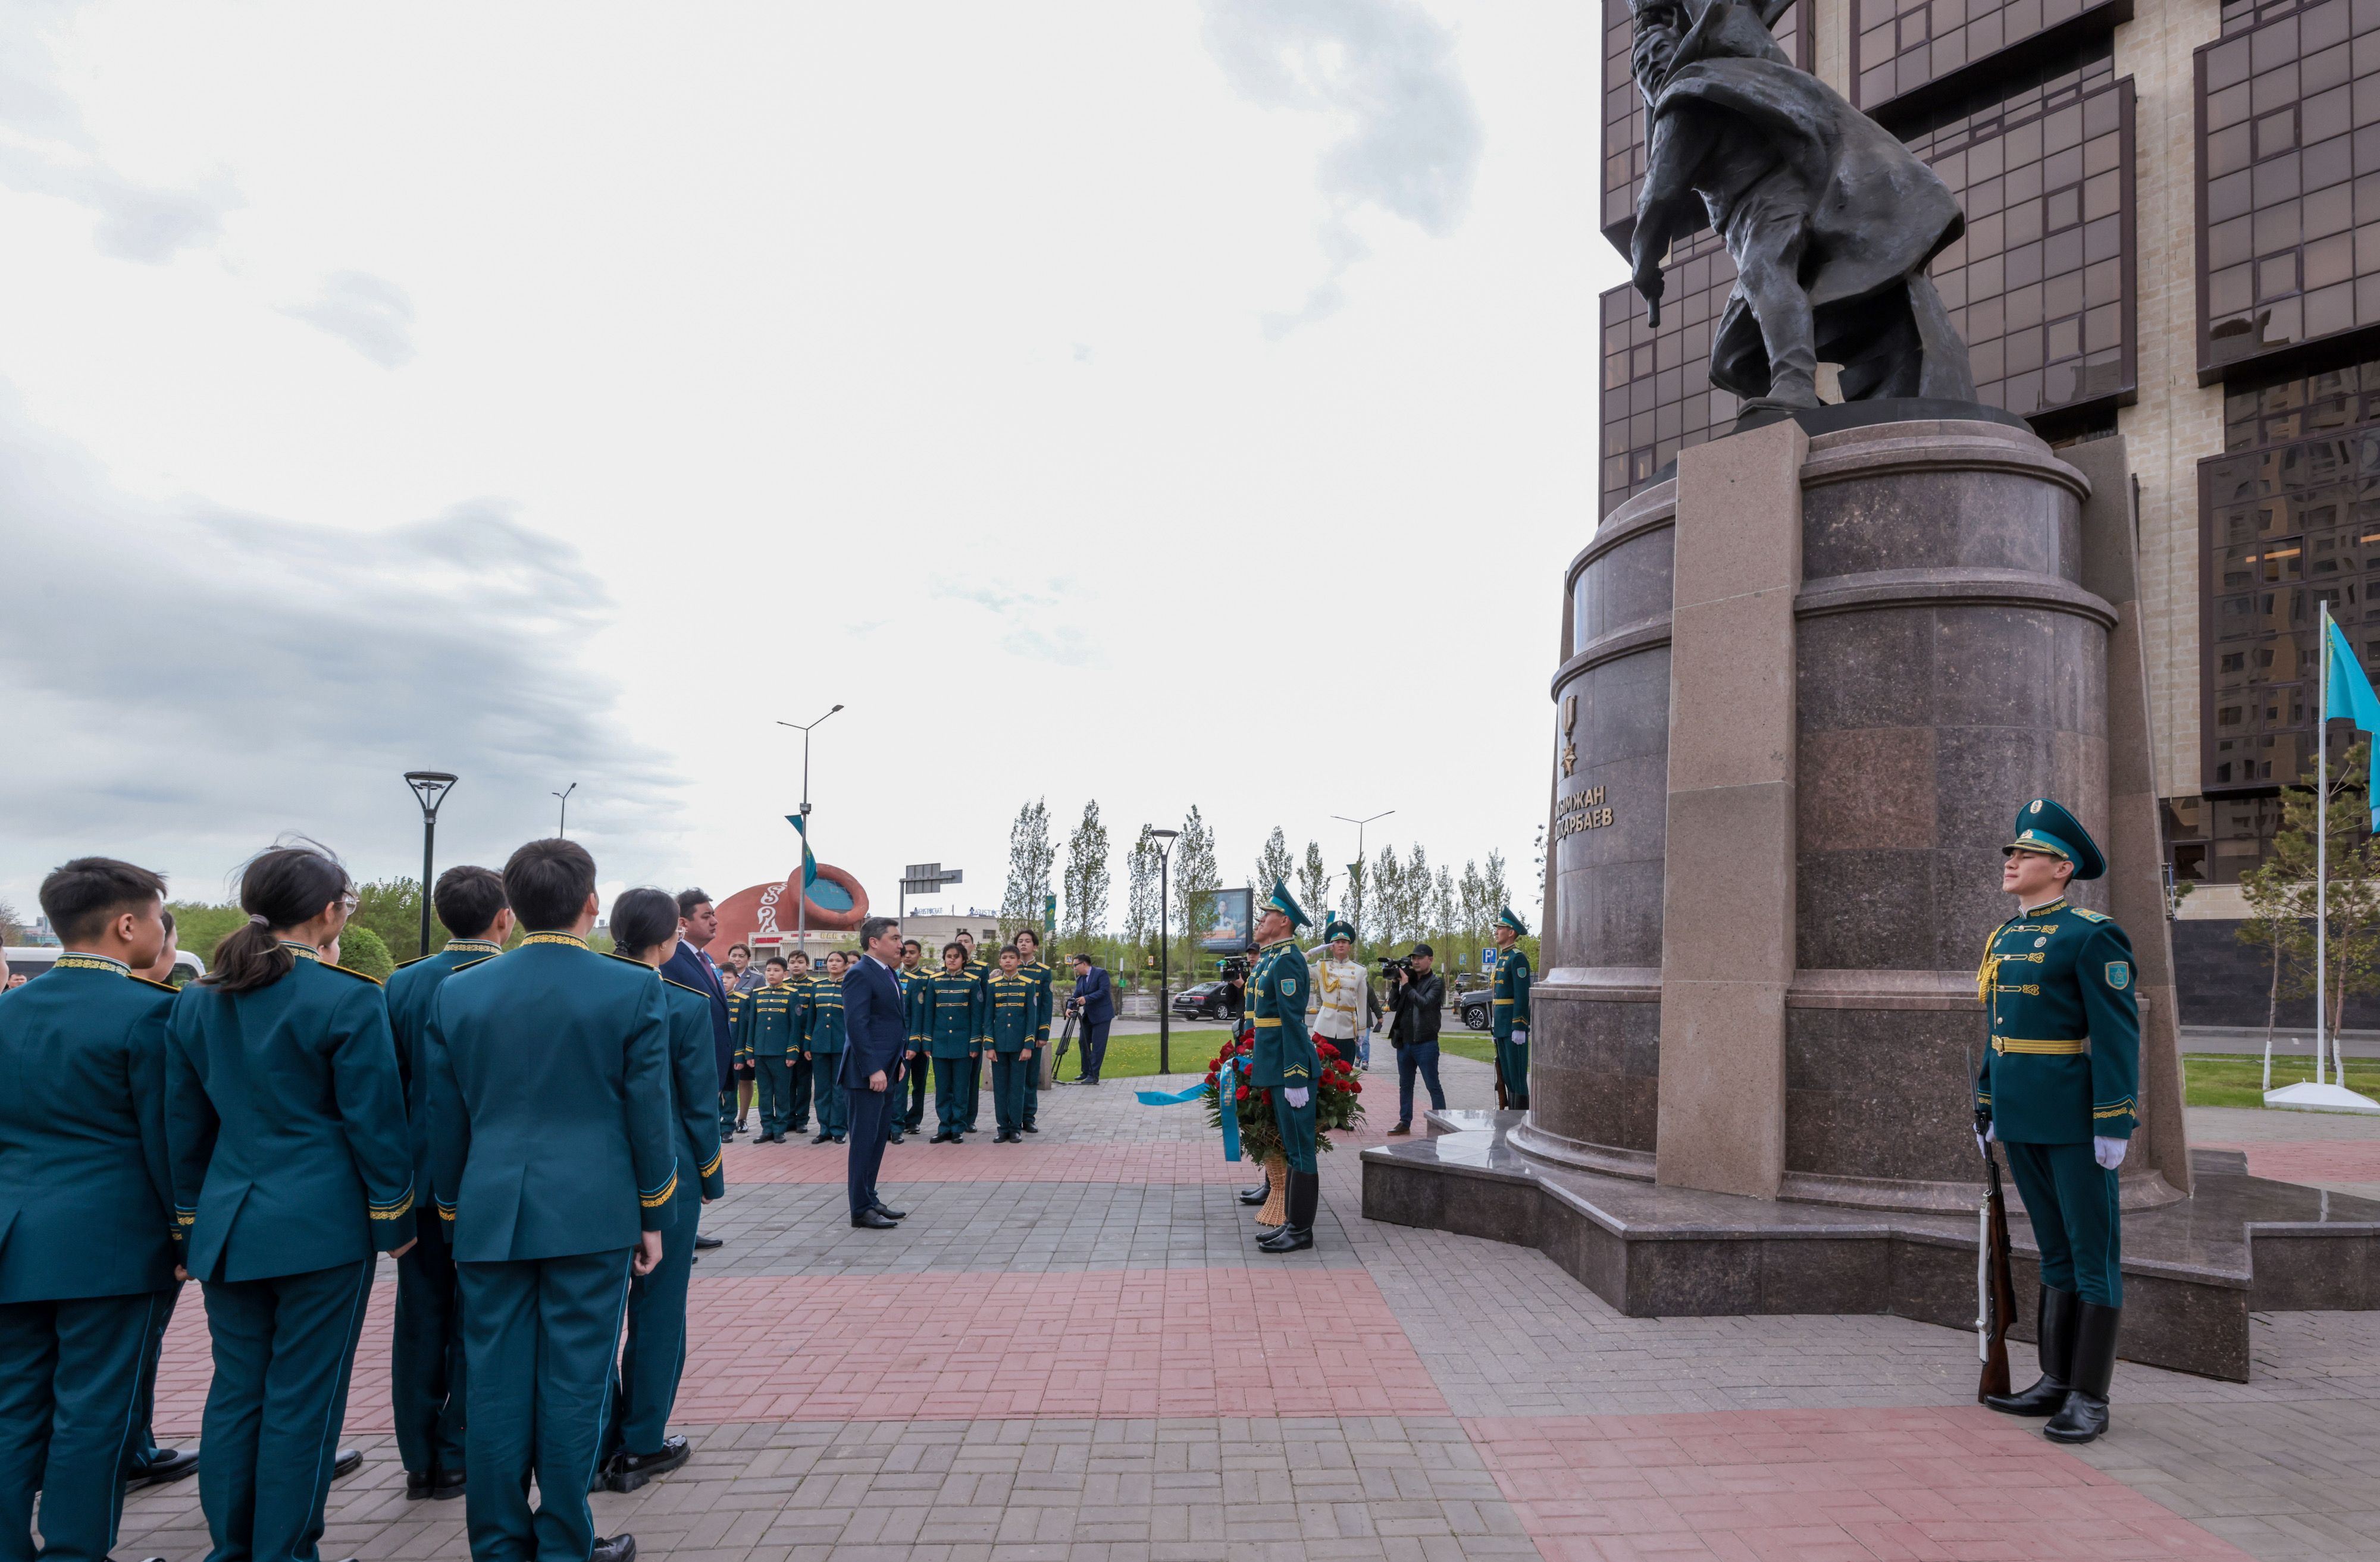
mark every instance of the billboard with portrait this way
{"type": "Point", "coordinates": [1231, 922]}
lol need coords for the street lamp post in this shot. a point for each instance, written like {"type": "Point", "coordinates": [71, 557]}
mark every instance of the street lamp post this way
{"type": "Point", "coordinates": [562, 825]}
{"type": "Point", "coordinates": [802, 892]}
{"type": "Point", "coordinates": [1164, 956]}
{"type": "Point", "coordinates": [1357, 878]}
{"type": "Point", "coordinates": [431, 788]}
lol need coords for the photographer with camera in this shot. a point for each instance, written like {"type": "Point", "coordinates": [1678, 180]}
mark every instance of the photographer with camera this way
{"type": "Point", "coordinates": [1416, 998]}
{"type": "Point", "coordinates": [1235, 988]}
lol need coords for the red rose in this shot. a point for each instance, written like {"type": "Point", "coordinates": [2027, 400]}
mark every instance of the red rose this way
{"type": "Point", "coordinates": [1357, 1089]}
{"type": "Point", "coordinates": [1326, 1049]}
{"type": "Point", "coordinates": [1242, 1095]}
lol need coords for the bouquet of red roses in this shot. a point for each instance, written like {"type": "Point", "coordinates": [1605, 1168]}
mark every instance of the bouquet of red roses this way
{"type": "Point", "coordinates": [1337, 1099]}
{"type": "Point", "coordinates": [1338, 1096]}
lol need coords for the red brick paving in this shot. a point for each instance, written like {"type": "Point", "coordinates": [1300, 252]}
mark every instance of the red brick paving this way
{"type": "Point", "coordinates": [914, 1160]}
{"type": "Point", "coordinates": [2311, 1160]}
{"type": "Point", "coordinates": [1960, 1485]}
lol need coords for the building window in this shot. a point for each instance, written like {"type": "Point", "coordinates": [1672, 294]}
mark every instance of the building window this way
{"type": "Point", "coordinates": [1901, 46]}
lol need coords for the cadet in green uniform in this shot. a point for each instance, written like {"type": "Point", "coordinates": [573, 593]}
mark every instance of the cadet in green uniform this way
{"type": "Point", "coordinates": [914, 981]}
{"type": "Point", "coordinates": [292, 1169]}
{"type": "Point", "coordinates": [971, 1086]}
{"type": "Point", "coordinates": [772, 1038]}
{"type": "Point", "coordinates": [1284, 1059]}
{"type": "Point", "coordinates": [553, 1143]}
{"type": "Point", "coordinates": [1510, 1007]}
{"type": "Point", "coordinates": [1012, 1014]}
{"type": "Point", "coordinates": [87, 1264]}
{"type": "Point", "coordinates": [2057, 1090]}
{"type": "Point", "coordinates": [426, 1371]}
{"type": "Point", "coordinates": [821, 1038]}
{"type": "Point", "coordinates": [637, 1447]}
{"type": "Point", "coordinates": [952, 1015]}
{"type": "Point", "coordinates": [1033, 967]}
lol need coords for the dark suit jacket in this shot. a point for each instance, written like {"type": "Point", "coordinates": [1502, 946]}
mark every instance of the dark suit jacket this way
{"type": "Point", "coordinates": [875, 1024]}
{"type": "Point", "coordinates": [688, 968]}
{"type": "Point", "coordinates": [1093, 998]}
{"type": "Point", "coordinates": [85, 1197]}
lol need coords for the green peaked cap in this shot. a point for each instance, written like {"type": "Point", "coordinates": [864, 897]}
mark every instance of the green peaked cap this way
{"type": "Point", "coordinates": [1506, 919]}
{"type": "Point", "coordinates": [2045, 826]}
{"type": "Point", "coordinates": [1282, 901]}
{"type": "Point", "coordinates": [1337, 929]}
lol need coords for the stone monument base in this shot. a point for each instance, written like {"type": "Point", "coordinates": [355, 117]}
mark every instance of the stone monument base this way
{"type": "Point", "coordinates": [2193, 1271]}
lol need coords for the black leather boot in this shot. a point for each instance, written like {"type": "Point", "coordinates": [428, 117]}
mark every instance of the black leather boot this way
{"type": "Point", "coordinates": [2084, 1414]}
{"type": "Point", "coordinates": [1257, 1195]}
{"type": "Point", "coordinates": [2054, 1318]}
{"type": "Point", "coordinates": [1304, 1193]}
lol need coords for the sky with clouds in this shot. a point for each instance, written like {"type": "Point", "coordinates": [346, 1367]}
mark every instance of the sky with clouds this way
{"type": "Point", "coordinates": [1097, 401]}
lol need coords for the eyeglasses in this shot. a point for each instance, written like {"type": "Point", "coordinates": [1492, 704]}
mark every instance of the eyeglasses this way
{"type": "Point", "coordinates": [348, 904]}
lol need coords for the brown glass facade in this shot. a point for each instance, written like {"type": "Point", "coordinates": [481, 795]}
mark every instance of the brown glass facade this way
{"type": "Point", "coordinates": [1907, 53]}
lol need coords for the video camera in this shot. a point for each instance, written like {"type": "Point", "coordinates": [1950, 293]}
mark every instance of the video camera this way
{"type": "Point", "coordinates": [1235, 967]}
{"type": "Point", "coordinates": [1393, 963]}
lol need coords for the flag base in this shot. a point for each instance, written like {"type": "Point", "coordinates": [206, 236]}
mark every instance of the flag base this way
{"type": "Point", "coordinates": [2308, 1097]}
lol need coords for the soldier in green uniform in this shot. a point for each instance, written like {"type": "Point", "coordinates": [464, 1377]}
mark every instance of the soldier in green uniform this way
{"type": "Point", "coordinates": [2057, 1091]}
{"type": "Point", "coordinates": [914, 981]}
{"type": "Point", "coordinates": [1510, 1008]}
{"type": "Point", "coordinates": [771, 1035]}
{"type": "Point", "coordinates": [821, 1038]}
{"type": "Point", "coordinates": [426, 1373]}
{"type": "Point", "coordinates": [971, 1086]}
{"type": "Point", "coordinates": [85, 1199]}
{"type": "Point", "coordinates": [1036, 970]}
{"type": "Point", "coordinates": [1012, 1012]}
{"type": "Point", "coordinates": [952, 1023]}
{"type": "Point", "coordinates": [1284, 1059]}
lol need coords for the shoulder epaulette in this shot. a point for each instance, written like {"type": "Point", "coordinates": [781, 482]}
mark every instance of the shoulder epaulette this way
{"type": "Point", "coordinates": [161, 986]}
{"type": "Point", "coordinates": [615, 954]}
{"type": "Point", "coordinates": [415, 961]}
{"type": "Point", "coordinates": [2091, 915]}
{"type": "Point", "coordinates": [468, 963]}
{"type": "Point", "coordinates": [671, 981]}
{"type": "Point", "coordinates": [349, 970]}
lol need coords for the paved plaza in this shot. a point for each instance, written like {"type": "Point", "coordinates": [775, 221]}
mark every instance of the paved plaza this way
{"type": "Point", "coordinates": [1097, 1366]}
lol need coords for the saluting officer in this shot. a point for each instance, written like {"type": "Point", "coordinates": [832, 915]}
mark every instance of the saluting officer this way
{"type": "Point", "coordinates": [1509, 1006]}
{"type": "Point", "coordinates": [1035, 969]}
{"type": "Point", "coordinates": [292, 1169]}
{"type": "Point", "coordinates": [821, 1035]}
{"type": "Point", "coordinates": [637, 1447]}
{"type": "Point", "coordinates": [82, 1155]}
{"type": "Point", "coordinates": [1284, 1059]}
{"type": "Point", "coordinates": [953, 1016]}
{"type": "Point", "coordinates": [2057, 1091]}
{"type": "Point", "coordinates": [426, 1371]}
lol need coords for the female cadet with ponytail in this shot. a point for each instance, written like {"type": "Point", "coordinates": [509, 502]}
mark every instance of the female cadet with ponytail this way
{"type": "Point", "coordinates": [291, 1168]}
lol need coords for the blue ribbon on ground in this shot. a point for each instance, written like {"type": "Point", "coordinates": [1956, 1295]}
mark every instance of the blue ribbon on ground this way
{"type": "Point", "coordinates": [1160, 1098]}
{"type": "Point", "coordinates": [1230, 1115]}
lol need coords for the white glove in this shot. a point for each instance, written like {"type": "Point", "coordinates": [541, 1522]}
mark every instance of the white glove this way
{"type": "Point", "coordinates": [1990, 1135]}
{"type": "Point", "coordinates": [1520, 1035]}
{"type": "Point", "coordinates": [1296, 1094]}
{"type": "Point", "coordinates": [2109, 1152]}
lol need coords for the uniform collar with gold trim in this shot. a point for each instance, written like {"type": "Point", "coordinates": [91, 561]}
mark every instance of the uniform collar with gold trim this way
{"type": "Point", "coordinates": [303, 952]}
{"type": "Point", "coordinates": [82, 959]}
{"type": "Point", "coordinates": [474, 946]}
{"type": "Point", "coordinates": [573, 939]}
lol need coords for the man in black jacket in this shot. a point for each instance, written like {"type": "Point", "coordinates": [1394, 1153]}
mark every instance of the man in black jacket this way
{"type": "Point", "coordinates": [1415, 1003]}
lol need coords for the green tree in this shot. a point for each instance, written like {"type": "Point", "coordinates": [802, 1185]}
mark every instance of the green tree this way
{"type": "Point", "coordinates": [362, 950]}
{"type": "Point", "coordinates": [1360, 915]}
{"type": "Point", "coordinates": [392, 909]}
{"type": "Point", "coordinates": [2281, 894]}
{"type": "Point", "coordinates": [1388, 894]}
{"type": "Point", "coordinates": [1313, 881]}
{"type": "Point", "coordinates": [1086, 878]}
{"type": "Point", "coordinates": [1031, 857]}
{"type": "Point", "coordinates": [1275, 863]}
{"type": "Point", "coordinates": [1492, 886]}
{"type": "Point", "coordinates": [12, 931]}
{"type": "Point", "coordinates": [1196, 876]}
{"type": "Point", "coordinates": [1141, 904]}
{"type": "Point", "coordinates": [199, 925]}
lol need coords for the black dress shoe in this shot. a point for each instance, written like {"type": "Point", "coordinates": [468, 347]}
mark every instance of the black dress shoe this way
{"type": "Point", "coordinates": [619, 1548]}
{"type": "Point", "coordinates": [628, 1471]}
{"type": "Point", "coordinates": [1030, 1129]}
{"type": "Point", "coordinates": [1257, 1195]}
{"type": "Point", "coordinates": [839, 1139]}
{"type": "Point", "coordinates": [704, 1245]}
{"type": "Point", "coordinates": [869, 1221]}
{"type": "Point", "coordinates": [448, 1485]}
{"type": "Point", "coordinates": [162, 1465]}
{"type": "Point", "coordinates": [820, 1138]}
{"type": "Point", "coordinates": [418, 1483]}
{"type": "Point", "coordinates": [944, 1139]}
{"type": "Point", "coordinates": [348, 1462]}
{"type": "Point", "coordinates": [890, 1214]}
{"type": "Point", "coordinates": [1289, 1239]}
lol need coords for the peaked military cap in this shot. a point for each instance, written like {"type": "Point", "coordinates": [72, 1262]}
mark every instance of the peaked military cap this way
{"type": "Point", "coordinates": [2045, 826]}
{"type": "Point", "coordinates": [1337, 929]}
{"type": "Point", "coordinates": [1507, 919]}
{"type": "Point", "coordinates": [1282, 901]}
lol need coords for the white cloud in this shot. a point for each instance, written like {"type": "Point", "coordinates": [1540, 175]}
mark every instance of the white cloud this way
{"type": "Point", "coordinates": [369, 313]}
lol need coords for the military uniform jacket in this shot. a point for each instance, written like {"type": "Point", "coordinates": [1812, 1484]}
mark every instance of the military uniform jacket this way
{"type": "Point", "coordinates": [915, 986]}
{"type": "Point", "coordinates": [953, 1015]}
{"type": "Point", "coordinates": [1040, 976]}
{"type": "Point", "coordinates": [1012, 1012]}
{"type": "Point", "coordinates": [286, 1121]}
{"type": "Point", "coordinates": [1338, 1001]}
{"type": "Point", "coordinates": [551, 1109]}
{"type": "Point", "coordinates": [2064, 1060]}
{"type": "Point", "coordinates": [694, 1089]}
{"type": "Point", "coordinates": [736, 1052]}
{"type": "Point", "coordinates": [85, 1196]}
{"type": "Point", "coordinates": [771, 1025]}
{"type": "Point", "coordinates": [410, 991]}
{"type": "Point", "coordinates": [821, 1016]}
{"type": "Point", "coordinates": [1284, 1051]}
{"type": "Point", "coordinates": [1509, 994]}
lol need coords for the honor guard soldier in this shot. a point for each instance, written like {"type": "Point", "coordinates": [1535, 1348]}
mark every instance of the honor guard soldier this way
{"type": "Point", "coordinates": [822, 1039]}
{"type": "Point", "coordinates": [1510, 1007]}
{"type": "Point", "coordinates": [971, 1087]}
{"type": "Point", "coordinates": [1284, 1059]}
{"type": "Point", "coordinates": [1012, 1013]}
{"type": "Point", "coordinates": [637, 1447]}
{"type": "Point", "coordinates": [953, 1004]}
{"type": "Point", "coordinates": [916, 981]}
{"type": "Point", "coordinates": [2057, 1092]}
{"type": "Point", "coordinates": [426, 1371]}
{"type": "Point", "coordinates": [292, 1170]}
{"type": "Point", "coordinates": [553, 1143]}
{"type": "Point", "coordinates": [82, 1155]}
{"type": "Point", "coordinates": [769, 1035]}
{"type": "Point", "coordinates": [1036, 970]}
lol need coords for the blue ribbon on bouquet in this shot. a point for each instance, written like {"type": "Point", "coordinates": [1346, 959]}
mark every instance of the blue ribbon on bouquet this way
{"type": "Point", "coordinates": [1225, 1081]}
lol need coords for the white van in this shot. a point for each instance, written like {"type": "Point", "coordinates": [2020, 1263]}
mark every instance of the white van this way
{"type": "Point", "coordinates": [32, 959]}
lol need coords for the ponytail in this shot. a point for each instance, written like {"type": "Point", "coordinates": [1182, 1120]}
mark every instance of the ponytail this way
{"type": "Point", "coordinates": [283, 887]}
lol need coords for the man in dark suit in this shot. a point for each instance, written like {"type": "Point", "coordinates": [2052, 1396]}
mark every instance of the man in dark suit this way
{"type": "Point", "coordinates": [1093, 1003]}
{"type": "Point", "coordinates": [875, 1033]}
{"type": "Point", "coordinates": [697, 924]}
{"type": "Point", "coordinates": [554, 1156]}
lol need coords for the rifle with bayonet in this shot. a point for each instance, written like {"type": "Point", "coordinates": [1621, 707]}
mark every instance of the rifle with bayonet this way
{"type": "Point", "coordinates": [1995, 1286]}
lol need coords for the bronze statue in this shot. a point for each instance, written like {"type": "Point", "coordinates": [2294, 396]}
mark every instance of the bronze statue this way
{"type": "Point", "coordinates": [1830, 219]}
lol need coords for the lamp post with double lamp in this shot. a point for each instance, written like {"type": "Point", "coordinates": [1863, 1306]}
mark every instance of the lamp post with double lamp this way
{"type": "Point", "coordinates": [431, 788]}
{"type": "Point", "coordinates": [1356, 876]}
{"type": "Point", "coordinates": [562, 825]}
{"type": "Point", "coordinates": [1164, 956]}
{"type": "Point", "coordinates": [802, 892]}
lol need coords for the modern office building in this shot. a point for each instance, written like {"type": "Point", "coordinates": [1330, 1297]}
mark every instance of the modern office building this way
{"type": "Point", "coordinates": [2173, 233]}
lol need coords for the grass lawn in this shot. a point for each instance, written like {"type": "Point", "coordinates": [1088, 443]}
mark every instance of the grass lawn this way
{"type": "Point", "coordinates": [1132, 1057]}
{"type": "Point", "coordinates": [2217, 1079]}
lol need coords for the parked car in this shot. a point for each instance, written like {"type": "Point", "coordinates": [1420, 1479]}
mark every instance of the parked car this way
{"type": "Point", "coordinates": [1476, 1008]}
{"type": "Point", "coordinates": [32, 960]}
{"type": "Point", "coordinates": [1206, 1001]}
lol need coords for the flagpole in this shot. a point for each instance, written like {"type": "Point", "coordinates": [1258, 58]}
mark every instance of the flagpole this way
{"type": "Point", "coordinates": [2322, 853]}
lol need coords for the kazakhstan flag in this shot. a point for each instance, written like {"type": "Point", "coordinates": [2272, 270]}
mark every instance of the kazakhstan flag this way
{"type": "Point", "coordinates": [809, 864]}
{"type": "Point", "coordinates": [2351, 700]}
